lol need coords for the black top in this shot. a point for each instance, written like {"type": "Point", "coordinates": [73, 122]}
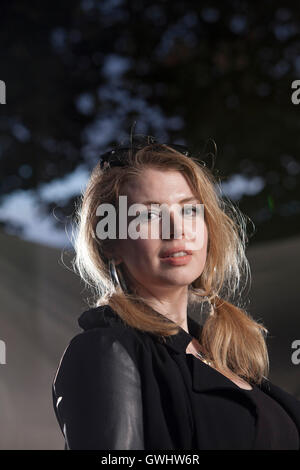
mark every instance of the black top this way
{"type": "Point", "coordinates": [120, 388]}
{"type": "Point", "coordinates": [275, 429]}
{"type": "Point", "coordinates": [270, 426]}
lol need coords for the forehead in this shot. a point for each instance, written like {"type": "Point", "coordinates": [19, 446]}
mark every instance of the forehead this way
{"type": "Point", "coordinates": [158, 185]}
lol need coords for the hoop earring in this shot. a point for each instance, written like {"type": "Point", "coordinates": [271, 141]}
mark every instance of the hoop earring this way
{"type": "Point", "coordinates": [210, 304]}
{"type": "Point", "coordinates": [209, 310]}
{"type": "Point", "coordinates": [117, 281]}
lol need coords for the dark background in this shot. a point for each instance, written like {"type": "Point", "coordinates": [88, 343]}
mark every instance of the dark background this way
{"type": "Point", "coordinates": [78, 74]}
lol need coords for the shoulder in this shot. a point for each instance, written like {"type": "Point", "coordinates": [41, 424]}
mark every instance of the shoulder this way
{"type": "Point", "coordinates": [98, 381]}
{"type": "Point", "coordinates": [99, 340]}
{"type": "Point", "coordinates": [102, 326]}
{"type": "Point", "coordinates": [97, 348]}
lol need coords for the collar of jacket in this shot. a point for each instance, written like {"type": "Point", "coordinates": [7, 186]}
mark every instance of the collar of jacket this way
{"type": "Point", "coordinates": [105, 316]}
{"type": "Point", "coordinates": [205, 378]}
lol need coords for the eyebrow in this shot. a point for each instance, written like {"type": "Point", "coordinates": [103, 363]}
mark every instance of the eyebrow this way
{"type": "Point", "coordinates": [187, 199]}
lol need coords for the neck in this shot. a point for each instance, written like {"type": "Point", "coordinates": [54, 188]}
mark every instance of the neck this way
{"type": "Point", "coordinates": [171, 302]}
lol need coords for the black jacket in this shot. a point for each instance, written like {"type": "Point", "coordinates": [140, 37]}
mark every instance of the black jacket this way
{"type": "Point", "coordinates": [119, 388]}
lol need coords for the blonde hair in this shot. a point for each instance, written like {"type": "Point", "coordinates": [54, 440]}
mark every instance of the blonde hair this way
{"type": "Point", "coordinates": [230, 337]}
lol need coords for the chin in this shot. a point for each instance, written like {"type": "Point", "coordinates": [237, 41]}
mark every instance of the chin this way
{"type": "Point", "coordinates": [174, 281]}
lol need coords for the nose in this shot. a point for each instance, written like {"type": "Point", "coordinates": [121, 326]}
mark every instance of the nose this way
{"type": "Point", "coordinates": [173, 226]}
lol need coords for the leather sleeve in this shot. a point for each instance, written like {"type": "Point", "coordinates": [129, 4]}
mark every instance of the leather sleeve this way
{"type": "Point", "coordinates": [97, 394]}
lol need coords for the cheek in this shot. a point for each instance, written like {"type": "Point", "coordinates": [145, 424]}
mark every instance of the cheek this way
{"type": "Point", "coordinates": [139, 252]}
{"type": "Point", "coordinates": [202, 241]}
{"type": "Point", "coordinates": [199, 241]}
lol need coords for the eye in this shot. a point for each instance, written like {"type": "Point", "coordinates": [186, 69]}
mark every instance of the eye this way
{"type": "Point", "coordinates": [154, 214]}
{"type": "Point", "coordinates": [191, 210]}
{"type": "Point", "coordinates": [150, 215]}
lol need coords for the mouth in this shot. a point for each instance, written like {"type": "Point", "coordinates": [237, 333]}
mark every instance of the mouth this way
{"type": "Point", "coordinates": [177, 258]}
{"type": "Point", "coordinates": [176, 254]}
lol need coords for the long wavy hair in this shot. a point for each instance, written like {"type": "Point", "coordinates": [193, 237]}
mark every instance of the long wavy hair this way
{"type": "Point", "coordinates": [230, 337]}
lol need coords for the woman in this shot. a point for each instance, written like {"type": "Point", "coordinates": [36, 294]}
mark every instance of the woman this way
{"type": "Point", "coordinates": [145, 373]}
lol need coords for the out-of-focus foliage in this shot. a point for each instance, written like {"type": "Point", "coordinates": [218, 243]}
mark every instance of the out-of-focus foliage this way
{"type": "Point", "coordinates": [79, 73]}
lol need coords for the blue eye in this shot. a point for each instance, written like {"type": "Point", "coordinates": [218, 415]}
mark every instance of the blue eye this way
{"type": "Point", "coordinates": [194, 209]}
{"type": "Point", "coordinates": [187, 211]}
{"type": "Point", "coordinates": [147, 215]}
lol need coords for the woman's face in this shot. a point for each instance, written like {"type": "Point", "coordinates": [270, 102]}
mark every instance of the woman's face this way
{"type": "Point", "coordinates": [142, 257]}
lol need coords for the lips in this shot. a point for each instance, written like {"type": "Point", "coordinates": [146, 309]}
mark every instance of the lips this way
{"type": "Point", "coordinates": [170, 252]}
